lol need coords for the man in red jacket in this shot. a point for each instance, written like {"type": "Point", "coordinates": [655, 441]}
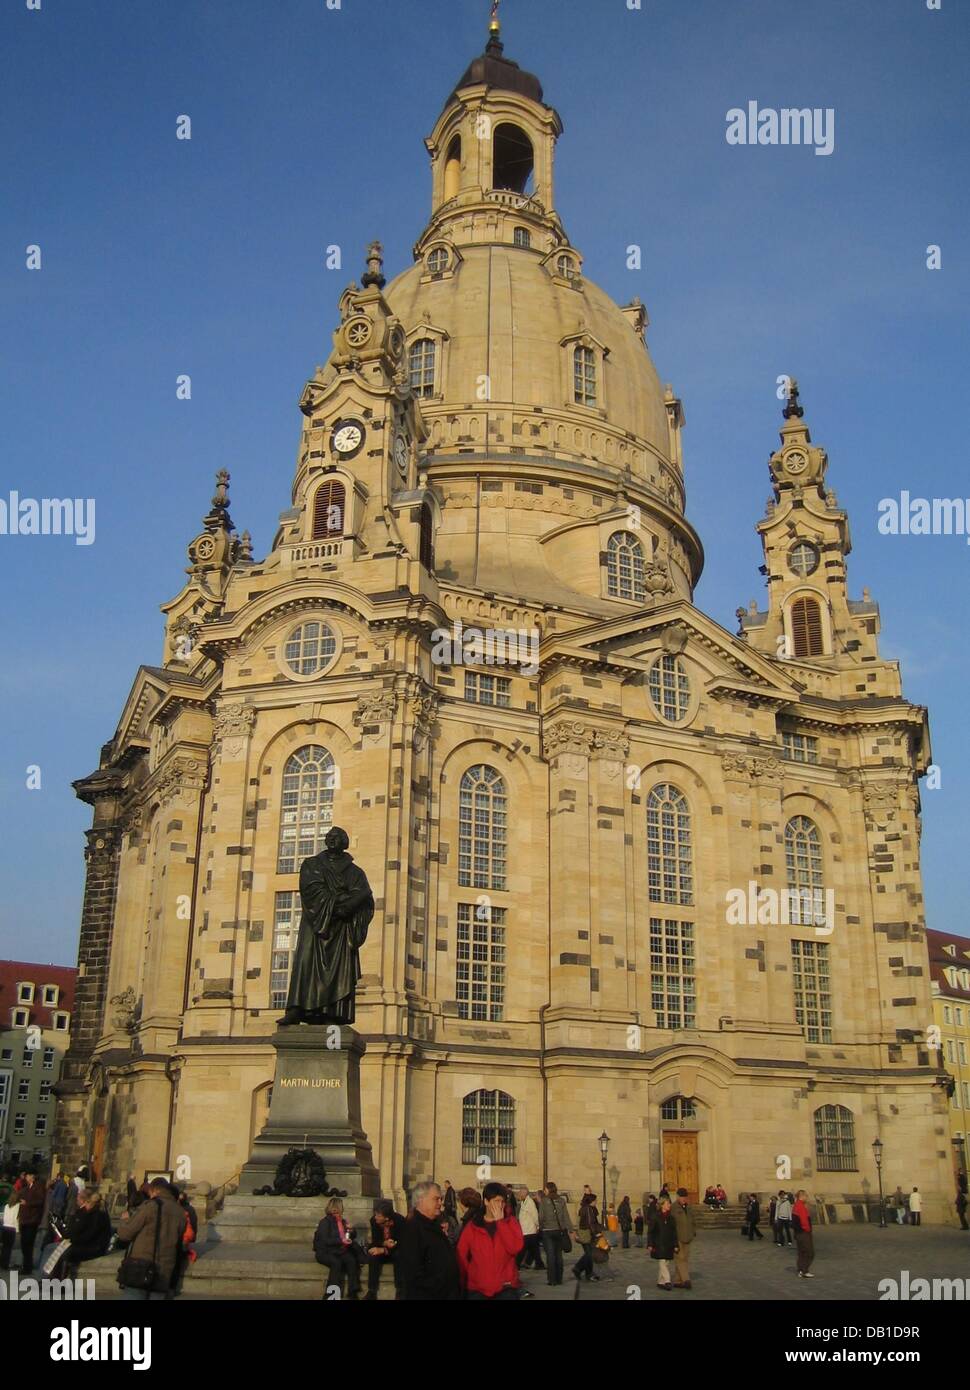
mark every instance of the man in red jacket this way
{"type": "Point", "coordinates": [802, 1225]}
{"type": "Point", "coordinates": [487, 1249]}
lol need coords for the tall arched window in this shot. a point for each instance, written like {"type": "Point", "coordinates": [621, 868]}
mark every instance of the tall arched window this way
{"type": "Point", "coordinates": [806, 627]}
{"type": "Point", "coordinates": [670, 876]}
{"type": "Point", "coordinates": [453, 168]}
{"type": "Point", "coordinates": [426, 539]}
{"type": "Point", "coordinates": [482, 829]}
{"type": "Point", "coordinates": [803, 865]}
{"type": "Point", "coordinates": [512, 158]}
{"type": "Point", "coordinates": [624, 567]}
{"type": "Point", "coordinates": [421, 362]}
{"type": "Point", "coordinates": [329, 504]}
{"type": "Point", "coordinates": [584, 376]}
{"type": "Point", "coordinates": [834, 1139]}
{"type": "Point", "coordinates": [488, 1128]}
{"type": "Point", "coordinates": [309, 778]}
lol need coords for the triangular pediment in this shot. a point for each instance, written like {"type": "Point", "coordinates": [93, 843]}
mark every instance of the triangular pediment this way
{"type": "Point", "coordinates": [635, 640]}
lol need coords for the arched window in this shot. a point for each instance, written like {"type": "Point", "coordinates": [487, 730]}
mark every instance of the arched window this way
{"type": "Point", "coordinates": [803, 865]}
{"type": "Point", "coordinates": [453, 168]}
{"type": "Point", "coordinates": [438, 260]}
{"type": "Point", "coordinates": [426, 539]}
{"type": "Point", "coordinates": [677, 1108]}
{"type": "Point", "coordinates": [584, 376]}
{"type": "Point", "coordinates": [309, 778]}
{"type": "Point", "coordinates": [488, 1128]}
{"type": "Point", "coordinates": [806, 627]}
{"type": "Point", "coordinates": [482, 829]}
{"type": "Point", "coordinates": [521, 237]}
{"type": "Point", "coordinates": [512, 158]}
{"type": "Point", "coordinates": [834, 1139]}
{"type": "Point", "coordinates": [421, 361]}
{"type": "Point", "coordinates": [624, 567]}
{"type": "Point", "coordinates": [566, 267]}
{"type": "Point", "coordinates": [669, 849]}
{"type": "Point", "coordinates": [329, 505]}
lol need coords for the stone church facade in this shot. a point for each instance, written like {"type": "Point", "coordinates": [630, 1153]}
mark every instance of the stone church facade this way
{"type": "Point", "coordinates": [633, 873]}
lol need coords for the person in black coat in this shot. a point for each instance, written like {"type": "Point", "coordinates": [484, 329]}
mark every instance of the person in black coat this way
{"type": "Point", "coordinates": [426, 1257]}
{"type": "Point", "coordinates": [88, 1230]}
{"type": "Point", "coordinates": [386, 1228]}
{"type": "Point", "coordinates": [624, 1215]}
{"type": "Point", "coordinates": [333, 1245]}
{"type": "Point", "coordinates": [753, 1215]}
{"type": "Point", "coordinates": [662, 1241]}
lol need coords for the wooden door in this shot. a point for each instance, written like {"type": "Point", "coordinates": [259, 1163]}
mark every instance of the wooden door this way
{"type": "Point", "coordinates": [680, 1162]}
{"type": "Point", "coordinates": [97, 1152]}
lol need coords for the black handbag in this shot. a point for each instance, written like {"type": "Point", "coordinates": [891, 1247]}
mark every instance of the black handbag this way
{"type": "Point", "coordinates": [143, 1274]}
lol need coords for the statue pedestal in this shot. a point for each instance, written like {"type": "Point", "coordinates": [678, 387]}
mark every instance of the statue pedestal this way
{"type": "Point", "coordinates": [316, 1105]}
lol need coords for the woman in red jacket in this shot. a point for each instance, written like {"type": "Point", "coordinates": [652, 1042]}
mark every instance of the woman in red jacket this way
{"type": "Point", "coordinates": [487, 1248]}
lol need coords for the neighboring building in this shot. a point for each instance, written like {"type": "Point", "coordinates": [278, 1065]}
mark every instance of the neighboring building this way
{"type": "Point", "coordinates": [36, 1005]}
{"type": "Point", "coordinates": [551, 842]}
{"type": "Point", "coordinates": [950, 973]}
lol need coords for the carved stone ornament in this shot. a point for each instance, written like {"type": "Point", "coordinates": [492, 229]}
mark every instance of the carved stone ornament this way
{"type": "Point", "coordinates": [573, 738]}
{"type": "Point", "coordinates": [881, 794]}
{"type": "Point", "coordinates": [180, 778]}
{"type": "Point", "coordinates": [377, 708]}
{"type": "Point", "coordinates": [610, 745]}
{"type": "Point", "coordinates": [749, 768]}
{"type": "Point", "coordinates": [423, 704]}
{"type": "Point", "coordinates": [125, 1016]}
{"type": "Point", "coordinates": [657, 578]}
{"type": "Point", "coordinates": [234, 721]}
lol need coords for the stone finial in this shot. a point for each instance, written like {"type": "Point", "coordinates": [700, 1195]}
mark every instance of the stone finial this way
{"type": "Point", "coordinates": [792, 407]}
{"type": "Point", "coordinates": [374, 275]}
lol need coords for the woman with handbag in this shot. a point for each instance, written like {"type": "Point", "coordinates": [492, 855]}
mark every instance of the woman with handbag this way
{"type": "Point", "coordinates": [588, 1233]}
{"type": "Point", "coordinates": [334, 1245]}
{"type": "Point", "coordinates": [153, 1234]}
{"type": "Point", "coordinates": [555, 1225]}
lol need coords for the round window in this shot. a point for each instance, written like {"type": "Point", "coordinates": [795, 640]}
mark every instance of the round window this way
{"type": "Point", "coordinates": [803, 559]}
{"type": "Point", "coordinates": [669, 686]}
{"type": "Point", "coordinates": [309, 649]}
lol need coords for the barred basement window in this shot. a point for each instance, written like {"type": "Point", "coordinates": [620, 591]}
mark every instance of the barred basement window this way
{"type": "Point", "coordinates": [482, 828]}
{"type": "Point", "coordinates": [669, 688]}
{"type": "Point", "coordinates": [584, 376]}
{"type": "Point", "coordinates": [803, 865]}
{"type": "Point", "coordinates": [835, 1140]}
{"type": "Point", "coordinates": [329, 510]}
{"type": "Point", "coordinates": [421, 362]}
{"type": "Point", "coordinates": [488, 1128]}
{"type": "Point", "coordinates": [624, 567]}
{"type": "Point", "coordinates": [810, 980]}
{"type": "Point", "coordinates": [678, 1108]}
{"type": "Point", "coordinates": [286, 924]}
{"type": "Point", "coordinates": [806, 627]}
{"type": "Point", "coordinates": [673, 996]}
{"type": "Point", "coordinates": [488, 690]}
{"type": "Point", "coordinates": [799, 748]}
{"type": "Point", "coordinates": [480, 970]}
{"type": "Point", "coordinates": [669, 847]}
{"type": "Point", "coordinates": [309, 778]}
{"type": "Point", "coordinates": [309, 649]}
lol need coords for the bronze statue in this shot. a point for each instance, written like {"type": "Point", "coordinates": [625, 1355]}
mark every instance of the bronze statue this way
{"type": "Point", "coordinates": [337, 909]}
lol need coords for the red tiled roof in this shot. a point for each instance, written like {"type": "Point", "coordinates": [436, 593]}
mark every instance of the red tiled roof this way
{"type": "Point", "coordinates": [941, 959]}
{"type": "Point", "coordinates": [14, 972]}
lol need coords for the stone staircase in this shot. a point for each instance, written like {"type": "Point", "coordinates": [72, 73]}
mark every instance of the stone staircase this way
{"type": "Point", "coordinates": [730, 1219]}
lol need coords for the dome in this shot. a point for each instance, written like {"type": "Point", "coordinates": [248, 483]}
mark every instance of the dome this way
{"type": "Point", "coordinates": [503, 315]}
{"type": "Point", "coordinates": [501, 73]}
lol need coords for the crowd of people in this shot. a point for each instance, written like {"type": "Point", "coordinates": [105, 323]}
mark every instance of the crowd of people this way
{"type": "Point", "coordinates": [63, 1224]}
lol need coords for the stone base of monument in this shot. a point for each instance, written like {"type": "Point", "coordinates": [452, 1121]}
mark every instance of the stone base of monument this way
{"type": "Point", "coordinates": [316, 1105]}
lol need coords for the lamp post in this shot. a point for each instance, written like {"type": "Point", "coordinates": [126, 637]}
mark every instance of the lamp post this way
{"type": "Point", "coordinates": [877, 1153]}
{"type": "Point", "coordinates": [604, 1142]}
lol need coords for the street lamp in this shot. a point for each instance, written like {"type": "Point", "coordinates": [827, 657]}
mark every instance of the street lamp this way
{"type": "Point", "coordinates": [604, 1142]}
{"type": "Point", "coordinates": [877, 1153]}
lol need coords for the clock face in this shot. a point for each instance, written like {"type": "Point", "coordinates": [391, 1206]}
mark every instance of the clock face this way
{"type": "Point", "coordinates": [401, 454]}
{"type": "Point", "coordinates": [348, 436]}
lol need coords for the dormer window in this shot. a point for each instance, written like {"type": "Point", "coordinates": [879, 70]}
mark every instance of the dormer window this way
{"type": "Point", "coordinates": [421, 363]}
{"type": "Point", "coordinates": [522, 237]}
{"type": "Point", "coordinates": [20, 1018]}
{"type": "Point", "coordinates": [438, 260]}
{"type": "Point", "coordinates": [329, 510]}
{"type": "Point", "coordinates": [584, 376]}
{"type": "Point", "coordinates": [62, 1022]}
{"type": "Point", "coordinates": [51, 993]}
{"type": "Point", "coordinates": [25, 992]}
{"type": "Point", "coordinates": [567, 267]}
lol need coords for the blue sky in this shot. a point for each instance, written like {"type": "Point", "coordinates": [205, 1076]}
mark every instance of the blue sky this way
{"type": "Point", "coordinates": [163, 257]}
